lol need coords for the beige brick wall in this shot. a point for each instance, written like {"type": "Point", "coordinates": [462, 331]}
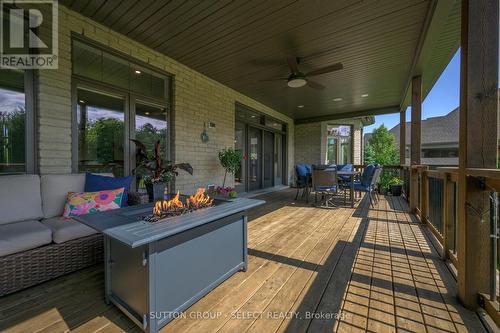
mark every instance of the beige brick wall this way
{"type": "Point", "coordinates": [310, 141]}
{"type": "Point", "coordinates": [197, 99]}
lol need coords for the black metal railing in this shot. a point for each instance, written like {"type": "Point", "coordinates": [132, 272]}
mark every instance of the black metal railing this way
{"type": "Point", "coordinates": [436, 203]}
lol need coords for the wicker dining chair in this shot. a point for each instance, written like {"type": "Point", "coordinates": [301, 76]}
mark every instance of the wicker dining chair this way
{"type": "Point", "coordinates": [325, 182]}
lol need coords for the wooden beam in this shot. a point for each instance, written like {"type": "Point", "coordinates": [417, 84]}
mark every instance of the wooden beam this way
{"type": "Point", "coordinates": [415, 141]}
{"type": "Point", "coordinates": [402, 137]}
{"type": "Point", "coordinates": [478, 140]}
{"type": "Point", "coordinates": [346, 115]}
{"type": "Point", "coordinates": [432, 28]}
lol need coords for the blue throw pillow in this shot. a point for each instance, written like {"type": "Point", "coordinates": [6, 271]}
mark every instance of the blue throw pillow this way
{"type": "Point", "coordinates": [308, 167]}
{"type": "Point", "coordinates": [94, 183]}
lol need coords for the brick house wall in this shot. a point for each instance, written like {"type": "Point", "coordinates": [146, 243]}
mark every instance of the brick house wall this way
{"type": "Point", "coordinates": [197, 99]}
{"type": "Point", "coordinates": [310, 141]}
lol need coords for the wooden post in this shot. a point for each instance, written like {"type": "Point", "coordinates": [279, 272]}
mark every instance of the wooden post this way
{"type": "Point", "coordinates": [478, 140]}
{"type": "Point", "coordinates": [402, 137]}
{"type": "Point", "coordinates": [416, 119]}
{"type": "Point", "coordinates": [447, 215]}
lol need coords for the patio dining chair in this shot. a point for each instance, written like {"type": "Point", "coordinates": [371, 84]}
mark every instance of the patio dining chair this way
{"type": "Point", "coordinates": [325, 182]}
{"type": "Point", "coordinates": [302, 179]}
{"type": "Point", "coordinates": [368, 184]}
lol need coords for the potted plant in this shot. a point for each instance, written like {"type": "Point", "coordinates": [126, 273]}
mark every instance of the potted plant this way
{"type": "Point", "coordinates": [230, 160]}
{"type": "Point", "coordinates": [396, 186]}
{"type": "Point", "coordinates": [155, 171]}
{"type": "Point", "coordinates": [224, 191]}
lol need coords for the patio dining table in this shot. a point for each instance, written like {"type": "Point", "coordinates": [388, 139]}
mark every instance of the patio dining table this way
{"type": "Point", "coordinates": [351, 175]}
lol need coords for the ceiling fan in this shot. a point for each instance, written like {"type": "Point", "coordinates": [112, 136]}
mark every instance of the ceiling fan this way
{"type": "Point", "coordinates": [298, 79]}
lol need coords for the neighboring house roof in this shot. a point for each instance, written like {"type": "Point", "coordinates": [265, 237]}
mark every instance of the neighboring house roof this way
{"type": "Point", "coordinates": [435, 130]}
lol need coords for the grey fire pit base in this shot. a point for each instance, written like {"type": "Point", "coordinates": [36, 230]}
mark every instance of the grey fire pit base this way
{"type": "Point", "coordinates": [155, 283]}
{"type": "Point", "coordinates": [154, 271]}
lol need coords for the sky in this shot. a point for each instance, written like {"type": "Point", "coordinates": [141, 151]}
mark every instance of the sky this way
{"type": "Point", "coordinates": [443, 97]}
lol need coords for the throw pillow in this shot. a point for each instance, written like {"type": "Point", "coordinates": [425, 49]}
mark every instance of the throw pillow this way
{"type": "Point", "coordinates": [94, 183]}
{"type": "Point", "coordinates": [79, 203]}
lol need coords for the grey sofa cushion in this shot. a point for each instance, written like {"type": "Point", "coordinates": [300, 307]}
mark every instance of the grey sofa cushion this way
{"type": "Point", "coordinates": [64, 229]}
{"type": "Point", "coordinates": [55, 190]}
{"type": "Point", "coordinates": [20, 198]}
{"type": "Point", "coordinates": [22, 236]}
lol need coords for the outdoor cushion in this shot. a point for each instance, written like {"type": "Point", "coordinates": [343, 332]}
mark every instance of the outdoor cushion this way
{"type": "Point", "coordinates": [20, 198]}
{"type": "Point", "coordinates": [79, 203]}
{"type": "Point", "coordinates": [55, 190]}
{"type": "Point", "coordinates": [302, 170]}
{"type": "Point", "coordinates": [22, 236]}
{"type": "Point", "coordinates": [94, 183]}
{"type": "Point", "coordinates": [65, 229]}
{"type": "Point", "coordinates": [345, 167]}
{"type": "Point", "coordinates": [326, 188]}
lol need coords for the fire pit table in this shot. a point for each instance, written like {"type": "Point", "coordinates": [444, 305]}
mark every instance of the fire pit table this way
{"type": "Point", "coordinates": [157, 268]}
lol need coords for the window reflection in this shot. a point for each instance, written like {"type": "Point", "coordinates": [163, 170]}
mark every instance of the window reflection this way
{"type": "Point", "coordinates": [12, 122]}
{"type": "Point", "coordinates": [100, 133]}
{"type": "Point", "coordinates": [150, 126]}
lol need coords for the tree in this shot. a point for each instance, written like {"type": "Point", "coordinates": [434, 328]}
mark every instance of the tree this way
{"type": "Point", "coordinates": [382, 149]}
{"type": "Point", "coordinates": [230, 160]}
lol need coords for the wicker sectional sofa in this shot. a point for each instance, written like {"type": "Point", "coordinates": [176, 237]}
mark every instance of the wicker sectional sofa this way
{"type": "Point", "coordinates": [36, 243]}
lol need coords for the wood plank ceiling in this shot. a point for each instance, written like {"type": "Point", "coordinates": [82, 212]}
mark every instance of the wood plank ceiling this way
{"type": "Point", "coordinates": [240, 42]}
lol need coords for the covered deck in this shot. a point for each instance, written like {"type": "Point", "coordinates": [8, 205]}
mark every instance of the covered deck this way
{"type": "Point", "coordinates": [310, 270]}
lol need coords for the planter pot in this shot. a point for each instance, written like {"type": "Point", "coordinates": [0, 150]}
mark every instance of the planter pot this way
{"type": "Point", "coordinates": [396, 190]}
{"type": "Point", "coordinates": [149, 190]}
{"type": "Point", "coordinates": [156, 191]}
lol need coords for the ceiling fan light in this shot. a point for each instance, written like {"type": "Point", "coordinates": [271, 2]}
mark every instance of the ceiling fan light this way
{"type": "Point", "coordinates": [297, 82]}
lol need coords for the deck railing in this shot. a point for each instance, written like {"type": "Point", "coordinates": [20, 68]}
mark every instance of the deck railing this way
{"type": "Point", "coordinates": [437, 207]}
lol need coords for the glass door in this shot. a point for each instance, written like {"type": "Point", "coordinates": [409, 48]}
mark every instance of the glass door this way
{"type": "Point", "coordinates": [254, 159]}
{"type": "Point", "coordinates": [278, 159]}
{"type": "Point", "coordinates": [239, 146]}
{"type": "Point", "coordinates": [268, 179]}
{"type": "Point", "coordinates": [101, 132]}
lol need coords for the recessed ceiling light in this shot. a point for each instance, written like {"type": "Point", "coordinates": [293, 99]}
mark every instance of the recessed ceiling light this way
{"type": "Point", "coordinates": [338, 99]}
{"type": "Point", "coordinates": [146, 113]}
{"type": "Point", "coordinates": [252, 116]}
{"type": "Point", "coordinates": [364, 95]}
{"type": "Point", "coordinates": [300, 106]}
{"type": "Point", "coordinates": [137, 71]}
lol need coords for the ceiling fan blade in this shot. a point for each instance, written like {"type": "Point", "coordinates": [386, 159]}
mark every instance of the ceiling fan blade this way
{"type": "Point", "coordinates": [327, 69]}
{"type": "Point", "coordinates": [293, 64]}
{"type": "Point", "coordinates": [274, 79]}
{"type": "Point", "coordinates": [315, 85]}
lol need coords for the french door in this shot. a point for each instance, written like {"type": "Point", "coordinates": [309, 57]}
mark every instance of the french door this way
{"type": "Point", "coordinates": [262, 163]}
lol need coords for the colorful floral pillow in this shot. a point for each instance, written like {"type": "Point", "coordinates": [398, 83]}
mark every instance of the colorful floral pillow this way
{"type": "Point", "coordinates": [79, 203]}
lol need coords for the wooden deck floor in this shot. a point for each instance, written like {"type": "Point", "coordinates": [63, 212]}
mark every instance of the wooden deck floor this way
{"type": "Point", "coordinates": [310, 270]}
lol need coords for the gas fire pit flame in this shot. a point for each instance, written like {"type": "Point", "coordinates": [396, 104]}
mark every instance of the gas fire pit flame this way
{"type": "Point", "coordinates": [174, 206]}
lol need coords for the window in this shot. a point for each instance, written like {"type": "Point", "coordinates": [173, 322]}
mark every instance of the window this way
{"type": "Point", "coordinates": [338, 144]}
{"type": "Point", "coordinates": [16, 119]}
{"type": "Point", "coordinates": [100, 119]}
{"type": "Point", "coordinates": [116, 100]}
